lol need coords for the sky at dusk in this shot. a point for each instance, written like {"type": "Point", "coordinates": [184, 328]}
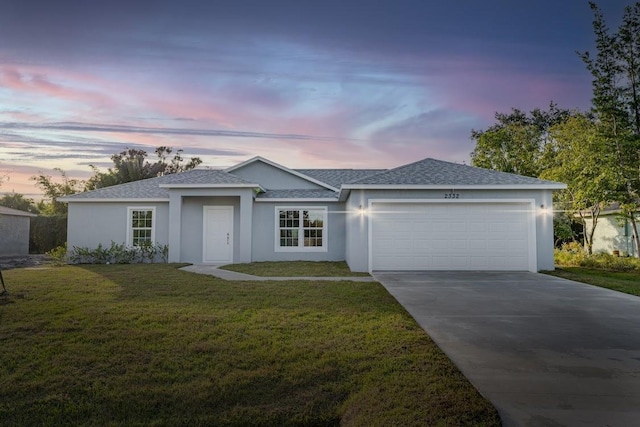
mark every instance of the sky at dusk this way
{"type": "Point", "coordinates": [308, 84]}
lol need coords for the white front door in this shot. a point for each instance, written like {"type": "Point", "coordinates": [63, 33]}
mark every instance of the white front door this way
{"type": "Point", "coordinates": [217, 234]}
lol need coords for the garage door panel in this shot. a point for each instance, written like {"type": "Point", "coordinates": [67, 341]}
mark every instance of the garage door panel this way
{"type": "Point", "coordinates": [477, 245]}
{"type": "Point", "coordinates": [400, 244]}
{"type": "Point", "coordinates": [461, 244]}
{"type": "Point", "coordinates": [450, 236]}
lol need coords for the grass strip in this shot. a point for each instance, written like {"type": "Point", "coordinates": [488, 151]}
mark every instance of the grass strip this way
{"type": "Point", "coordinates": [295, 269]}
{"type": "Point", "coordinates": [621, 281]}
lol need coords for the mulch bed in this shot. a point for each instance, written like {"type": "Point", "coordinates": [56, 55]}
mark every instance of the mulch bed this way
{"type": "Point", "coordinates": [9, 262]}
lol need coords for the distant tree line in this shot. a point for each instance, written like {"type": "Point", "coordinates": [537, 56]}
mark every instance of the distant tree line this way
{"type": "Point", "coordinates": [49, 229]}
{"type": "Point", "coordinates": [596, 153]}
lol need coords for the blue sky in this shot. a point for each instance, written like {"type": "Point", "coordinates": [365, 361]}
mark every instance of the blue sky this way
{"type": "Point", "coordinates": [313, 84]}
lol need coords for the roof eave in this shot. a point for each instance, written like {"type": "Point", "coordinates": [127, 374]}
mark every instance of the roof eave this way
{"type": "Point", "coordinates": [183, 185]}
{"type": "Point", "coordinates": [297, 199]}
{"type": "Point", "coordinates": [113, 199]}
{"type": "Point", "coordinates": [19, 213]}
{"type": "Point", "coordinates": [554, 186]}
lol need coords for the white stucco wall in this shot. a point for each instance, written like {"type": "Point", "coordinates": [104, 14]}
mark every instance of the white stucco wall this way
{"type": "Point", "coordinates": [613, 233]}
{"type": "Point", "coordinates": [264, 233]}
{"type": "Point", "coordinates": [94, 223]}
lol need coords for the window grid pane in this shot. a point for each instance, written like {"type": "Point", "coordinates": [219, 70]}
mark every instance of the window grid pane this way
{"type": "Point", "coordinates": [301, 228]}
{"type": "Point", "coordinates": [141, 227]}
{"type": "Point", "coordinates": [288, 238]}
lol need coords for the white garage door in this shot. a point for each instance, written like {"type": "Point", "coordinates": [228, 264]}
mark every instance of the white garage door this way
{"type": "Point", "coordinates": [450, 236]}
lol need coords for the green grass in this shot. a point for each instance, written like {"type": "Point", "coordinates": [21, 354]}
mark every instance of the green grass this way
{"type": "Point", "coordinates": [622, 281]}
{"type": "Point", "coordinates": [295, 269]}
{"type": "Point", "coordinates": [152, 345]}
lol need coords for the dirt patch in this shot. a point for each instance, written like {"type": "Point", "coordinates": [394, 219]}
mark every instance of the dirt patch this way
{"type": "Point", "coordinates": [9, 262]}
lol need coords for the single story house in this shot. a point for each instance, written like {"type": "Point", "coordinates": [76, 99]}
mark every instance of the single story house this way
{"type": "Point", "coordinates": [613, 232]}
{"type": "Point", "coordinates": [427, 215]}
{"type": "Point", "coordinates": [14, 231]}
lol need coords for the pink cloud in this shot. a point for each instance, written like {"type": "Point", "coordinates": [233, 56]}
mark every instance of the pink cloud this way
{"type": "Point", "coordinates": [34, 82]}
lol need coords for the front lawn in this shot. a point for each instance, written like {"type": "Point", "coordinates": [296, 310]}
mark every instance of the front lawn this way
{"type": "Point", "coordinates": [149, 344]}
{"type": "Point", "coordinates": [294, 269]}
{"type": "Point", "coordinates": [622, 281]}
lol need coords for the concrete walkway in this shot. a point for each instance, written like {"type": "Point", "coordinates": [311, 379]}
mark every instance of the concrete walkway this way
{"type": "Point", "coordinates": [545, 351]}
{"type": "Point", "coordinates": [214, 270]}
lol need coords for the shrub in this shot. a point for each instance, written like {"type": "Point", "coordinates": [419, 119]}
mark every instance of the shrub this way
{"type": "Point", "coordinates": [58, 255]}
{"type": "Point", "coordinates": [570, 254]}
{"type": "Point", "coordinates": [573, 255]}
{"type": "Point", "coordinates": [119, 254]}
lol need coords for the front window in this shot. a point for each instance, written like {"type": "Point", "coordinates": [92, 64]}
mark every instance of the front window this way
{"type": "Point", "coordinates": [301, 229]}
{"type": "Point", "coordinates": [141, 226]}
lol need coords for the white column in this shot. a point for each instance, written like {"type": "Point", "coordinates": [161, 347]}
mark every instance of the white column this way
{"type": "Point", "coordinates": [246, 225]}
{"type": "Point", "coordinates": [175, 225]}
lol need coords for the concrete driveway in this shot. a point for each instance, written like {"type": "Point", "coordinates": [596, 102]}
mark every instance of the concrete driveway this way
{"type": "Point", "coordinates": [545, 351]}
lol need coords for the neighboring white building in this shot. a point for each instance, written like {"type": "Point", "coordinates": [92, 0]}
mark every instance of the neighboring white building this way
{"type": "Point", "coordinates": [613, 233]}
{"type": "Point", "coordinates": [427, 215]}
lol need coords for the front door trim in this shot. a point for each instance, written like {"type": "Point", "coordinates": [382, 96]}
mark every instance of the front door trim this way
{"type": "Point", "coordinates": [224, 237]}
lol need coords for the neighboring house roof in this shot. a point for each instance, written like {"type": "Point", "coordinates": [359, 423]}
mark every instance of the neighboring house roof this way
{"type": "Point", "coordinates": [611, 209]}
{"type": "Point", "coordinates": [337, 177]}
{"type": "Point", "coordinates": [155, 188]}
{"type": "Point", "coordinates": [438, 173]}
{"type": "Point", "coordinates": [15, 212]}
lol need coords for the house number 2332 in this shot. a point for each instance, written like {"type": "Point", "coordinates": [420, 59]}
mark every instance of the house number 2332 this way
{"type": "Point", "coordinates": [451, 195]}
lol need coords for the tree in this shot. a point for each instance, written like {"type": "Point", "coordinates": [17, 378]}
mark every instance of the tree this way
{"type": "Point", "coordinates": [517, 141]}
{"type": "Point", "coordinates": [53, 190]}
{"type": "Point", "coordinates": [19, 202]}
{"type": "Point", "coordinates": [132, 165]}
{"type": "Point", "coordinates": [572, 157]}
{"type": "Point", "coordinates": [616, 104]}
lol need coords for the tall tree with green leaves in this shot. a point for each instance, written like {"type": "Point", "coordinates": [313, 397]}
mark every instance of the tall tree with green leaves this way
{"type": "Point", "coordinates": [132, 165]}
{"type": "Point", "coordinates": [616, 104]}
{"type": "Point", "coordinates": [517, 141]}
{"type": "Point", "coordinates": [53, 190]}
{"type": "Point", "coordinates": [572, 157]}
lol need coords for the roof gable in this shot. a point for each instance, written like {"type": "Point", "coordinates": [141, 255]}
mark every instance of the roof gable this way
{"type": "Point", "coordinates": [273, 176]}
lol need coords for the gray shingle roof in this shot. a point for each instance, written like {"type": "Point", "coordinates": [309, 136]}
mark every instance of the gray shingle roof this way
{"type": "Point", "coordinates": [15, 212]}
{"type": "Point", "coordinates": [206, 176]}
{"type": "Point", "coordinates": [424, 172]}
{"type": "Point", "coordinates": [337, 177]}
{"type": "Point", "coordinates": [298, 194]}
{"type": "Point", "coordinates": [438, 172]}
{"type": "Point", "coordinates": [150, 188]}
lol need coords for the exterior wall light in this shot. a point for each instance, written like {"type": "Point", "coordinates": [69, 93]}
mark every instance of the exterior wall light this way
{"type": "Point", "coordinates": [361, 211]}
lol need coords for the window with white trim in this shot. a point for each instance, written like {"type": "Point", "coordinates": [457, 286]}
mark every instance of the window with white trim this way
{"type": "Point", "coordinates": [301, 229]}
{"type": "Point", "coordinates": [141, 230]}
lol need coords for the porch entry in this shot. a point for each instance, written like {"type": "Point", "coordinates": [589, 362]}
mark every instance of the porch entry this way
{"type": "Point", "coordinates": [217, 234]}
